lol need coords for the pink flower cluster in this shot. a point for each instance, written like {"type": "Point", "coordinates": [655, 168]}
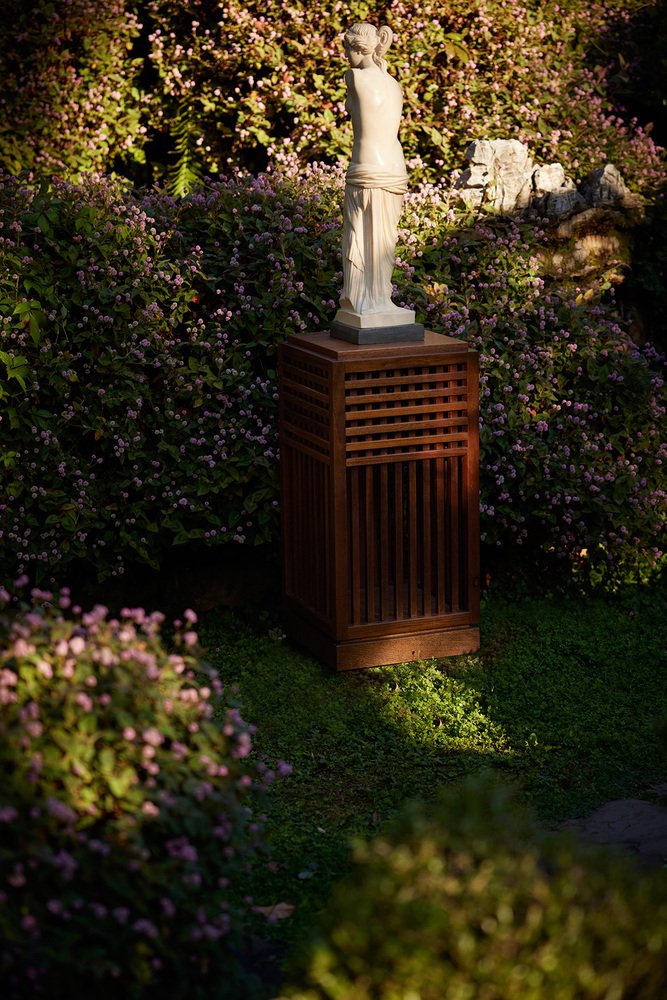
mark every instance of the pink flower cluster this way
{"type": "Point", "coordinates": [127, 815]}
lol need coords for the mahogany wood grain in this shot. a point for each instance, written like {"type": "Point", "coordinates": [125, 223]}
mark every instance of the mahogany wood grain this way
{"type": "Point", "coordinates": [380, 498]}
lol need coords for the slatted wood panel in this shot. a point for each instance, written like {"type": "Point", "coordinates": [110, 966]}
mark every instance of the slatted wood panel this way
{"type": "Point", "coordinates": [406, 411]}
{"type": "Point", "coordinates": [306, 471]}
{"type": "Point", "coordinates": [409, 540]}
{"type": "Point", "coordinates": [380, 499]}
{"type": "Point", "coordinates": [307, 525]}
{"type": "Point", "coordinates": [305, 404]}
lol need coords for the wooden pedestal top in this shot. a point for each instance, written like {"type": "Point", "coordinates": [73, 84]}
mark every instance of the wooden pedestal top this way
{"type": "Point", "coordinates": [324, 344]}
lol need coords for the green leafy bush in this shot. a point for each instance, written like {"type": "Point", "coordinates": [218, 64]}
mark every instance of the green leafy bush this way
{"type": "Point", "coordinates": [70, 101]}
{"type": "Point", "coordinates": [534, 71]}
{"type": "Point", "coordinates": [528, 70]}
{"type": "Point", "coordinates": [468, 900]}
{"type": "Point", "coordinates": [138, 413]}
{"type": "Point", "coordinates": [194, 88]}
{"type": "Point", "coordinates": [126, 809]}
{"type": "Point", "coordinates": [139, 397]}
{"type": "Point", "coordinates": [572, 429]}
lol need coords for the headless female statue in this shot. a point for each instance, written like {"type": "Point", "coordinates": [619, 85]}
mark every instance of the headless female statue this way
{"type": "Point", "coordinates": [376, 182]}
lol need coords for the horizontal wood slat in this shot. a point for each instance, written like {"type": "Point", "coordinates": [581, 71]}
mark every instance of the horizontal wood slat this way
{"type": "Point", "coordinates": [417, 410]}
{"type": "Point", "coordinates": [394, 409]}
{"type": "Point", "coordinates": [305, 399]}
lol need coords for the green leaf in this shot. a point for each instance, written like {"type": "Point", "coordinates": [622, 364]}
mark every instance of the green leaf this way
{"type": "Point", "coordinates": [107, 759]}
{"type": "Point", "coordinates": [434, 134]}
{"type": "Point", "coordinates": [544, 126]}
{"type": "Point", "coordinates": [120, 784]}
{"type": "Point", "coordinates": [17, 367]}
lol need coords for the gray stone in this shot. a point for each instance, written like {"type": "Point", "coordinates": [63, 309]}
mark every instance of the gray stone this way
{"type": "Point", "coordinates": [377, 334]}
{"type": "Point", "coordinates": [499, 175]}
{"type": "Point", "coordinates": [555, 194]}
{"type": "Point", "coordinates": [549, 178]}
{"type": "Point", "coordinates": [606, 187]}
{"type": "Point", "coordinates": [635, 826]}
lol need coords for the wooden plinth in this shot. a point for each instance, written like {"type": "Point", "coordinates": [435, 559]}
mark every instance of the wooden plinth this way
{"type": "Point", "coordinates": [380, 498]}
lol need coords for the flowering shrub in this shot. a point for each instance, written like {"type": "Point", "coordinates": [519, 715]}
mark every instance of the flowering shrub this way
{"type": "Point", "coordinates": [468, 898]}
{"type": "Point", "coordinates": [126, 809]}
{"type": "Point", "coordinates": [69, 99]}
{"type": "Point", "coordinates": [500, 69]}
{"type": "Point", "coordinates": [209, 86]}
{"type": "Point", "coordinates": [508, 69]}
{"type": "Point", "coordinates": [147, 418]}
{"type": "Point", "coordinates": [574, 457]}
{"type": "Point", "coordinates": [140, 387]}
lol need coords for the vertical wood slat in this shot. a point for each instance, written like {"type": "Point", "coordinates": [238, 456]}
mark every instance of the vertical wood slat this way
{"type": "Point", "coordinates": [318, 535]}
{"type": "Point", "coordinates": [384, 516]}
{"type": "Point", "coordinates": [412, 515]}
{"type": "Point", "coordinates": [328, 546]}
{"type": "Point", "coordinates": [311, 536]}
{"type": "Point", "coordinates": [427, 554]}
{"type": "Point", "coordinates": [441, 550]}
{"type": "Point", "coordinates": [307, 529]}
{"type": "Point", "coordinates": [340, 551]}
{"type": "Point", "coordinates": [370, 513]}
{"type": "Point", "coordinates": [464, 528]}
{"type": "Point", "coordinates": [454, 540]}
{"type": "Point", "coordinates": [398, 540]}
{"type": "Point", "coordinates": [355, 547]}
{"type": "Point", "coordinates": [471, 498]}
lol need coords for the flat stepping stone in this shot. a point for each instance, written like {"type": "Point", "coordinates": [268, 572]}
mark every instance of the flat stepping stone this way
{"type": "Point", "coordinates": [634, 825]}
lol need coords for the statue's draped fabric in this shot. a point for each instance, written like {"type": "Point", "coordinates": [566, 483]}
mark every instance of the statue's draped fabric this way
{"type": "Point", "coordinates": [372, 207]}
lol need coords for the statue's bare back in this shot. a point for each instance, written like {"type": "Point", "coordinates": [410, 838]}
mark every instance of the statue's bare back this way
{"type": "Point", "coordinates": [374, 103]}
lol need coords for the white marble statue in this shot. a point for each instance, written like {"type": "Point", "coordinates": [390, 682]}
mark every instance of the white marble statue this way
{"type": "Point", "coordinates": [376, 182]}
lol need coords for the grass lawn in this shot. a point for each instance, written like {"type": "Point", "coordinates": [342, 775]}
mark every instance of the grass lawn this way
{"type": "Point", "coordinates": [567, 698]}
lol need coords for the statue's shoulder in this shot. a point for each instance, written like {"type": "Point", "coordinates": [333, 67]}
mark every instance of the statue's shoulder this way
{"type": "Point", "coordinates": [393, 83]}
{"type": "Point", "coordinates": [363, 80]}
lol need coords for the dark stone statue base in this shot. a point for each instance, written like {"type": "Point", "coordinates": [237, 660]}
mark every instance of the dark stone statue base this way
{"type": "Point", "coordinates": [377, 334]}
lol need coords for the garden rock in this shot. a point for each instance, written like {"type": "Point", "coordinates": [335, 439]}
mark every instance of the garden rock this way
{"type": "Point", "coordinates": [589, 244]}
{"type": "Point", "coordinates": [499, 174]}
{"type": "Point", "coordinates": [607, 187]}
{"type": "Point", "coordinates": [590, 225]}
{"type": "Point", "coordinates": [554, 194]}
{"type": "Point", "coordinates": [502, 176]}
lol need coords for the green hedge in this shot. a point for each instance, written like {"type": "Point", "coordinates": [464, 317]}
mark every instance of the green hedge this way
{"type": "Point", "coordinates": [188, 89]}
{"type": "Point", "coordinates": [139, 363]}
{"type": "Point", "coordinates": [466, 899]}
